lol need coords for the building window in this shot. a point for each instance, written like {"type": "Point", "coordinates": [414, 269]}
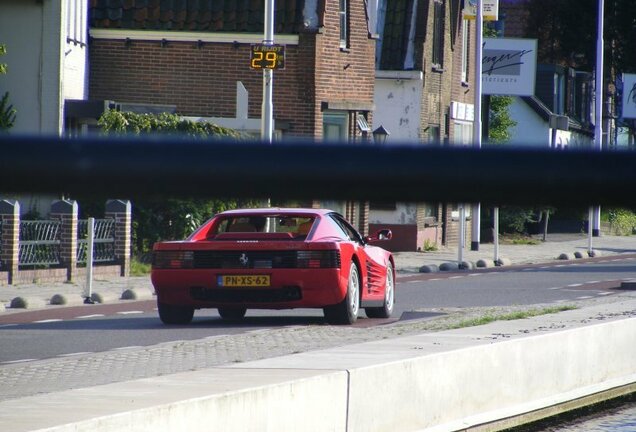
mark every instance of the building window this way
{"type": "Point", "coordinates": [465, 50]}
{"type": "Point", "coordinates": [438, 34]}
{"type": "Point", "coordinates": [463, 133]}
{"type": "Point", "coordinates": [344, 21]}
{"type": "Point", "coordinates": [335, 125]}
{"type": "Point", "coordinates": [76, 22]}
{"type": "Point", "coordinates": [434, 136]}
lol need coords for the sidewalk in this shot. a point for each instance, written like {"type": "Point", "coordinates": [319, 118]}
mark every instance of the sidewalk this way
{"type": "Point", "coordinates": [35, 296]}
{"type": "Point", "coordinates": [557, 246]}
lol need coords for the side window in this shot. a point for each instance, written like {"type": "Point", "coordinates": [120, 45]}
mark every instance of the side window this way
{"type": "Point", "coordinates": [351, 233]}
{"type": "Point", "coordinates": [335, 125]}
{"type": "Point", "coordinates": [335, 228]}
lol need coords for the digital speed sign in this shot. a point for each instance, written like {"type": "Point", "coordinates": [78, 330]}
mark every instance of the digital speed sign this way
{"type": "Point", "coordinates": [267, 56]}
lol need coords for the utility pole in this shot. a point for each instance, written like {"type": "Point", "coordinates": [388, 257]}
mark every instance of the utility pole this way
{"type": "Point", "coordinates": [477, 128]}
{"type": "Point", "coordinates": [267, 110]}
{"type": "Point", "coordinates": [595, 230]}
{"type": "Point", "coordinates": [267, 116]}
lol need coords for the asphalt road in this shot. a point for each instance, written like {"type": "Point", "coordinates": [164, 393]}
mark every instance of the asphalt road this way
{"type": "Point", "coordinates": [46, 334]}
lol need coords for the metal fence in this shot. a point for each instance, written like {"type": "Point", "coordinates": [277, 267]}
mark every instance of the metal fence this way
{"type": "Point", "coordinates": [39, 243]}
{"type": "Point", "coordinates": [103, 244]}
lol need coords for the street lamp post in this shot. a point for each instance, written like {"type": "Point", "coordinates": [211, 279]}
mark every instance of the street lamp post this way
{"type": "Point", "coordinates": [380, 135]}
{"type": "Point", "coordinates": [267, 116]}
{"type": "Point", "coordinates": [267, 110]}
{"type": "Point", "coordinates": [594, 225]}
{"type": "Point", "coordinates": [477, 129]}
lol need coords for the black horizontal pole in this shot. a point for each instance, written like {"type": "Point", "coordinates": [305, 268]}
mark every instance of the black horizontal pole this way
{"type": "Point", "coordinates": [132, 168]}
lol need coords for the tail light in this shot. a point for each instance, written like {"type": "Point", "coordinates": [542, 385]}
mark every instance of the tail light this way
{"type": "Point", "coordinates": [173, 259]}
{"type": "Point", "coordinates": [318, 259]}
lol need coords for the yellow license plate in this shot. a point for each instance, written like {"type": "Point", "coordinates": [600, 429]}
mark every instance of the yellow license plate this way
{"type": "Point", "coordinates": [243, 280]}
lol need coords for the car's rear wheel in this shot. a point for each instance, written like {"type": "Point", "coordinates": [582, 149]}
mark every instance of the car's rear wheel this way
{"type": "Point", "coordinates": [346, 312]}
{"type": "Point", "coordinates": [386, 309]}
{"type": "Point", "coordinates": [232, 314]}
{"type": "Point", "coordinates": [170, 314]}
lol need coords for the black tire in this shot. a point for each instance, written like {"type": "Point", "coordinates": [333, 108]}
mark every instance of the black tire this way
{"type": "Point", "coordinates": [346, 312]}
{"type": "Point", "coordinates": [170, 314]}
{"type": "Point", "coordinates": [232, 314]}
{"type": "Point", "coordinates": [386, 309]}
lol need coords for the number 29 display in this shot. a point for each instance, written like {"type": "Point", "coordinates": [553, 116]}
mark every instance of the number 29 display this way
{"type": "Point", "coordinates": [267, 57]}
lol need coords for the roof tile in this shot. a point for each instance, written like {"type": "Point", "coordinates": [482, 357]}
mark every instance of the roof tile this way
{"type": "Point", "coordinates": [195, 15]}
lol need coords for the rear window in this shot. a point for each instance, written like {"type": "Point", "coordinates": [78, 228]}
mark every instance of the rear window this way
{"type": "Point", "coordinates": [294, 227]}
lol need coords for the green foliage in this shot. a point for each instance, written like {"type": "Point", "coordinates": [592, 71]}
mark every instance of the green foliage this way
{"type": "Point", "coordinates": [167, 219]}
{"type": "Point", "coordinates": [120, 123]}
{"type": "Point", "coordinates": [558, 27]}
{"type": "Point", "coordinates": [499, 119]}
{"type": "Point", "coordinates": [514, 219]}
{"type": "Point", "coordinates": [488, 318]}
{"type": "Point", "coordinates": [3, 66]}
{"type": "Point", "coordinates": [7, 113]}
{"type": "Point", "coordinates": [172, 219]}
{"type": "Point", "coordinates": [622, 221]}
{"type": "Point", "coordinates": [138, 268]}
{"type": "Point", "coordinates": [429, 246]}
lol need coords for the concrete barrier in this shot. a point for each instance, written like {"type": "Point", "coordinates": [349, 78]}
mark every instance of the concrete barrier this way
{"type": "Point", "coordinates": [211, 400]}
{"type": "Point", "coordinates": [443, 381]}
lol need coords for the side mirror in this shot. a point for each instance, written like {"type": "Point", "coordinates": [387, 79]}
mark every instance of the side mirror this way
{"type": "Point", "coordinates": [381, 235]}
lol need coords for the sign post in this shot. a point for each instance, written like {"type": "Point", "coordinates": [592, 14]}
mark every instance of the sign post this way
{"type": "Point", "coordinates": [267, 116]}
{"type": "Point", "coordinates": [595, 223]}
{"type": "Point", "coordinates": [508, 68]}
{"type": "Point", "coordinates": [90, 242]}
{"type": "Point", "coordinates": [477, 130]}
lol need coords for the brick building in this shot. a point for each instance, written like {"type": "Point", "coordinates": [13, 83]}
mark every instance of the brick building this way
{"type": "Point", "coordinates": [190, 54]}
{"type": "Point", "coordinates": [424, 93]}
{"type": "Point", "coordinates": [191, 57]}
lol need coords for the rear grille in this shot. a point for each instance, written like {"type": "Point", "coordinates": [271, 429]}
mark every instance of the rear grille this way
{"type": "Point", "coordinates": [244, 295]}
{"type": "Point", "coordinates": [266, 259]}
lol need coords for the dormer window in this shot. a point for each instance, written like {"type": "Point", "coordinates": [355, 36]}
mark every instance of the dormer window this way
{"type": "Point", "coordinates": [344, 20]}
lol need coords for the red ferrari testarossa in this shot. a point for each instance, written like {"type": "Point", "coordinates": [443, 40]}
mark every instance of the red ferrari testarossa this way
{"type": "Point", "coordinates": [274, 258]}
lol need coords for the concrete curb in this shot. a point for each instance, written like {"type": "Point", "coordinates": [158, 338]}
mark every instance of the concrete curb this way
{"type": "Point", "coordinates": [482, 263]}
{"type": "Point", "coordinates": [448, 266]}
{"type": "Point", "coordinates": [137, 294]}
{"type": "Point", "coordinates": [105, 297]}
{"type": "Point", "coordinates": [66, 300]}
{"type": "Point", "coordinates": [429, 268]}
{"type": "Point", "coordinates": [566, 256]}
{"type": "Point", "coordinates": [503, 262]}
{"type": "Point", "coordinates": [27, 303]}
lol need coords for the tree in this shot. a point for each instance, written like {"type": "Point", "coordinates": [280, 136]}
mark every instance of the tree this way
{"type": "Point", "coordinates": [566, 33]}
{"type": "Point", "coordinates": [499, 120]}
{"type": "Point", "coordinates": [7, 112]}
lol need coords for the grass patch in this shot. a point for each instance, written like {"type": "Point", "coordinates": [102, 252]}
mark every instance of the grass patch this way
{"type": "Point", "coordinates": [429, 246]}
{"type": "Point", "coordinates": [486, 319]}
{"type": "Point", "coordinates": [517, 239]}
{"type": "Point", "coordinates": [137, 268]}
